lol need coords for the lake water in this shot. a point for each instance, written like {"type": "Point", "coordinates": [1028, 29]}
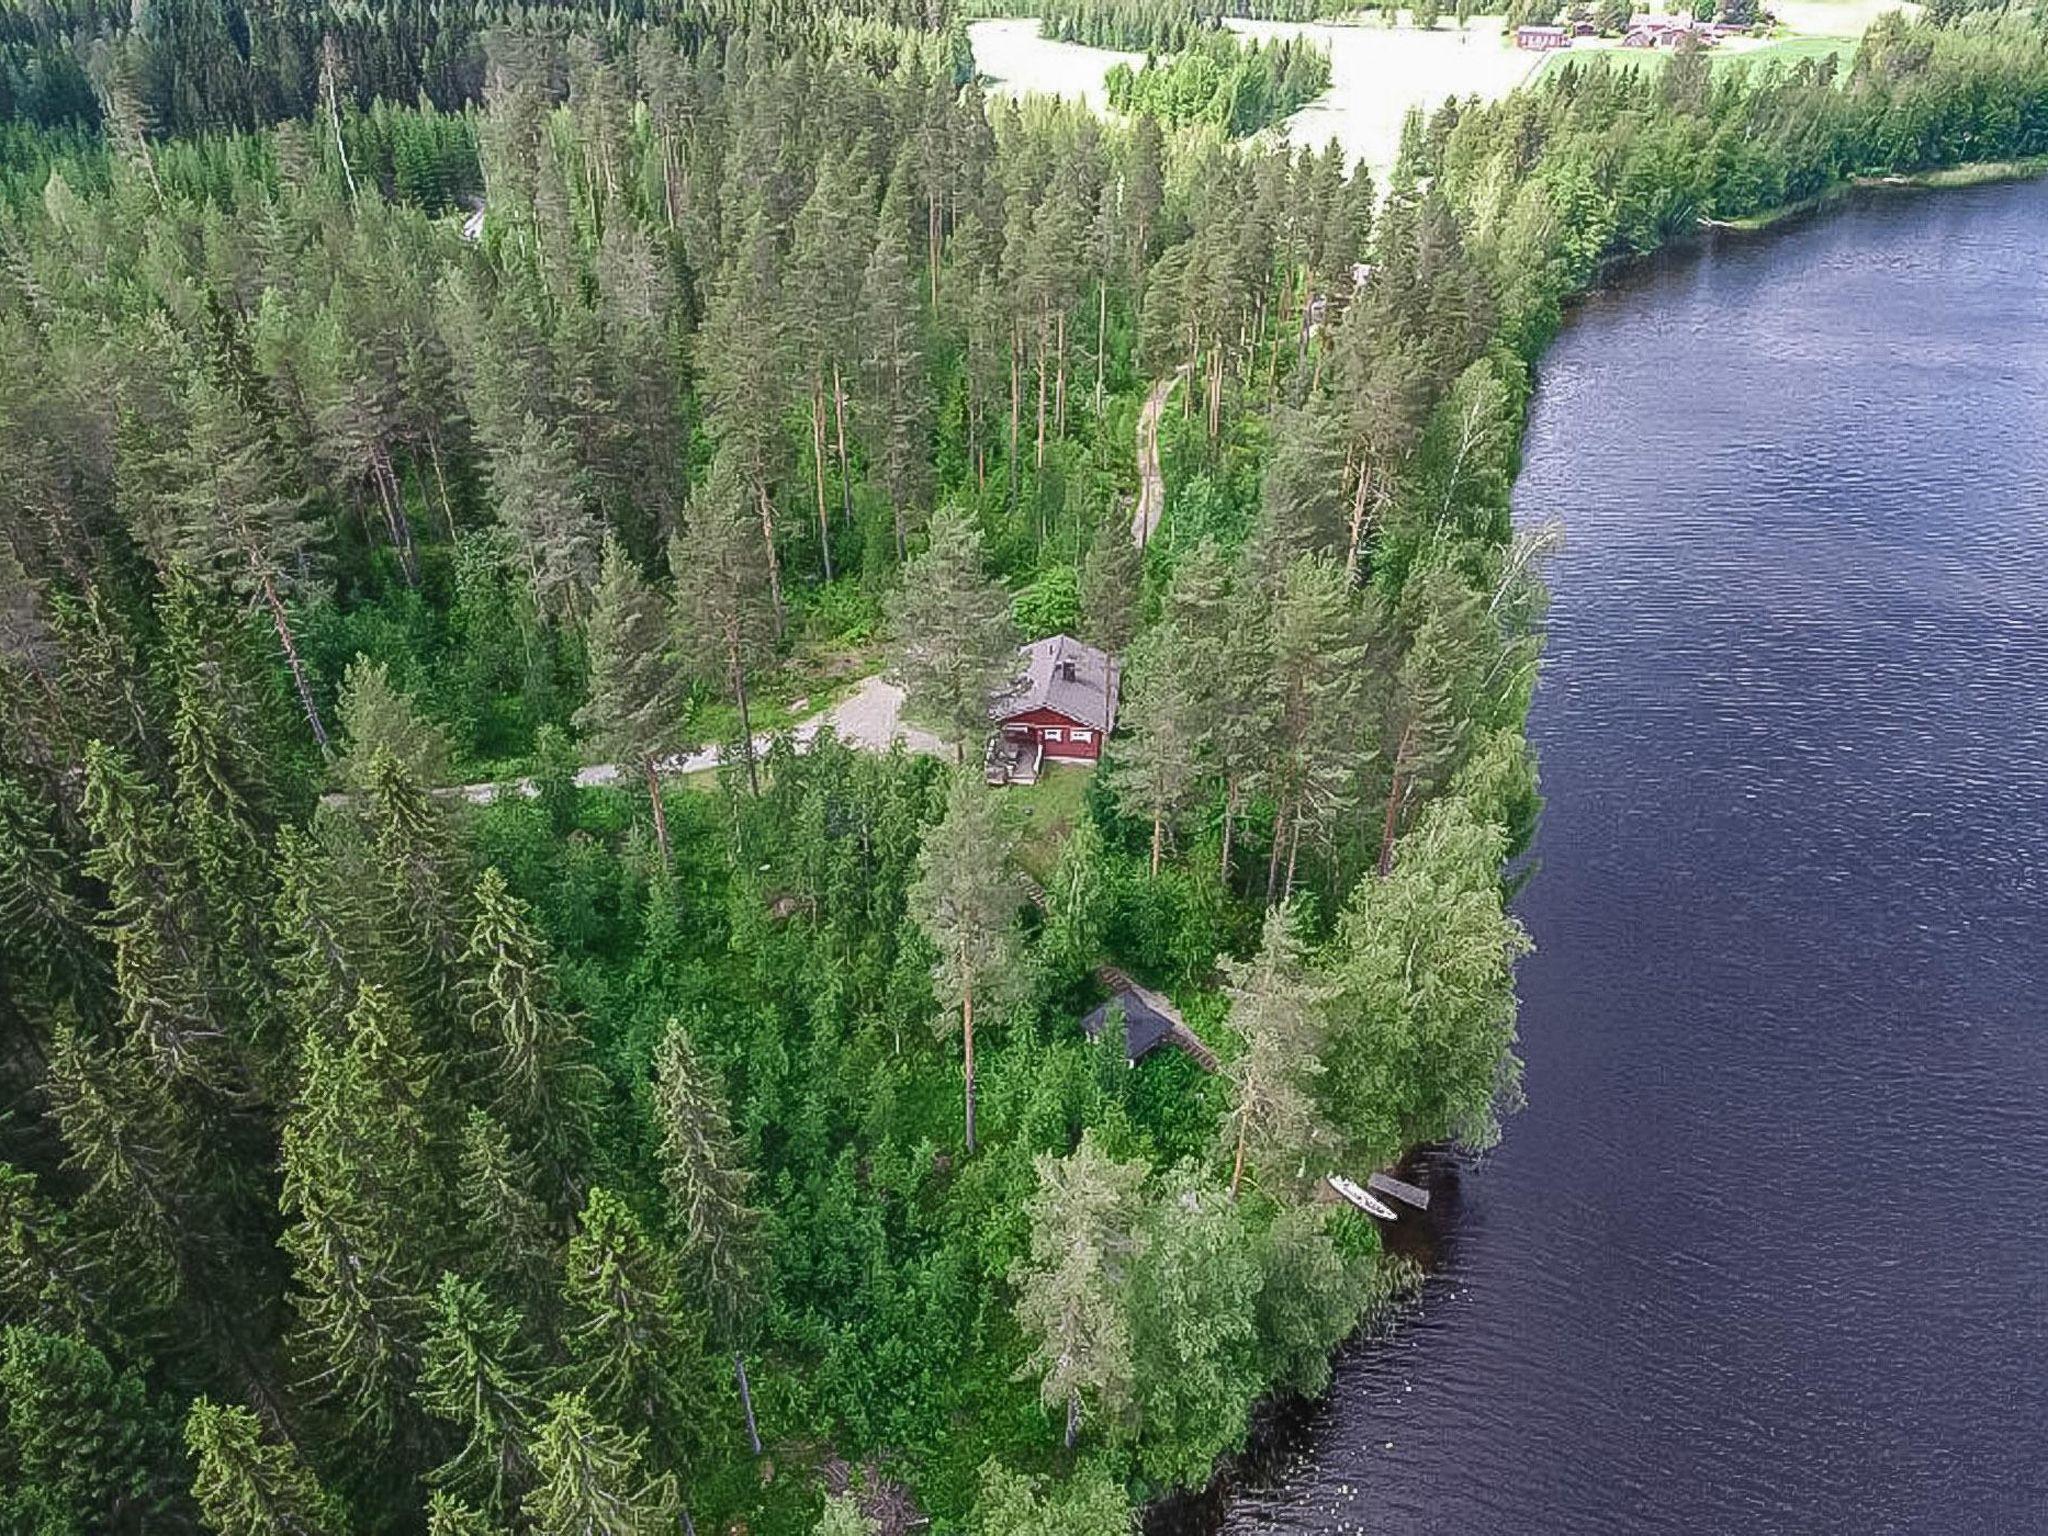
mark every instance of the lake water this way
{"type": "Point", "coordinates": [1768, 1249]}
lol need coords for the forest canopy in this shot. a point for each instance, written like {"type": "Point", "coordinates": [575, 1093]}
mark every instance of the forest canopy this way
{"type": "Point", "coordinates": [394, 403]}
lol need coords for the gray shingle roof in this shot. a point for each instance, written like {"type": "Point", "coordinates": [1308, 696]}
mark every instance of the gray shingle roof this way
{"type": "Point", "coordinates": [1062, 674]}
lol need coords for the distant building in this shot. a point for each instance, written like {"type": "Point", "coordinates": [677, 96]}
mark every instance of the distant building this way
{"type": "Point", "coordinates": [1059, 712]}
{"type": "Point", "coordinates": [1542, 39]}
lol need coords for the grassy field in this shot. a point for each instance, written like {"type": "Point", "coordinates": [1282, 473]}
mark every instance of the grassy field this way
{"type": "Point", "coordinates": [1784, 52]}
{"type": "Point", "coordinates": [1046, 812]}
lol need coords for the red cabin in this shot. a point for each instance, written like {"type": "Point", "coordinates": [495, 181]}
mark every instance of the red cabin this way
{"type": "Point", "coordinates": [1061, 708]}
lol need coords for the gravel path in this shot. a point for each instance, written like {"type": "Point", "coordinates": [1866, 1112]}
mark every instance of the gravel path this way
{"type": "Point", "coordinates": [1151, 484]}
{"type": "Point", "coordinates": [870, 717]}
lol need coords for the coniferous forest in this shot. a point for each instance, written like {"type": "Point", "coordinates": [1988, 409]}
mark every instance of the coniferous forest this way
{"type": "Point", "coordinates": [396, 399]}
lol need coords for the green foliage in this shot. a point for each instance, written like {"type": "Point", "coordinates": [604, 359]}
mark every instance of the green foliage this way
{"type": "Point", "coordinates": [1217, 78]}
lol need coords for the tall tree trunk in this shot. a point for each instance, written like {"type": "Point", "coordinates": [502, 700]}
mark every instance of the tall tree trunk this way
{"type": "Point", "coordinates": [660, 814]}
{"type": "Point", "coordinates": [1237, 1164]}
{"type": "Point", "coordinates": [845, 463]}
{"type": "Point", "coordinates": [1101, 336]}
{"type": "Point", "coordinates": [818, 464]}
{"type": "Point", "coordinates": [774, 561]}
{"type": "Point", "coordinates": [1360, 500]}
{"type": "Point", "coordinates": [739, 1371]}
{"type": "Point", "coordinates": [1273, 858]}
{"type": "Point", "coordinates": [1395, 790]}
{"type": "Point", "coordinates": [1016, 402]}
{"type": "Point", "coordinates": [967, 1037]}
{"type": "Point", "coordinates": [1073, 1418]}
{"type": "Point", "coordinates": [291, 656]}
{"type": "Point", "coordinates": [1158, 839]}
{"type": "Point", "coordinates": [1059, 398]}
{"type": "Point", "coordinates": [1044, 342]}
{"type": "Point", "coordinates": [441, 483]}
{"type": "Point", "coordinates": [1229, 822]}
{"type": "Point", "coordinates": [1293, 852]}
{"type": "Point", "coordinates": [739, 693]}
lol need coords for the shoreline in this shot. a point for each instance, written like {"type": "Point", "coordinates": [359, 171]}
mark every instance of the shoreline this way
{"type": "Point", "coordinates": [1215, 1495]}
{"type": "Point", "coordinates": [1968, 173]}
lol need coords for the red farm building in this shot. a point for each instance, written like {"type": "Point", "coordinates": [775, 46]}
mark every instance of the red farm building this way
{"type": "Point", "coordinates": [1062, 707]}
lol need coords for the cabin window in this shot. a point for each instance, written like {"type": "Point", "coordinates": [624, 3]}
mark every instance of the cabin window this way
{"type": "Point", "coordinates": [1081, 738]}
{"type": "Point", "coordinates": [1052, 733]}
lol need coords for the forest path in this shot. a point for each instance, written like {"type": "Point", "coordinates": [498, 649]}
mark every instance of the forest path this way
{"type": "Point", "coordinates": [1151, 484]}
{"type": "Point", "coordinates": [869, 718]}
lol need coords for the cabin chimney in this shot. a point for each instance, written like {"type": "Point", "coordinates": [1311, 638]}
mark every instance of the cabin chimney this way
{"type": "Point", "coordinates": [1067, 670]}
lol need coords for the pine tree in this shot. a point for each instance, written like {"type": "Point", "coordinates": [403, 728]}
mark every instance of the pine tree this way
{"type": "Point", "coordinates": [532, 1053]}
{"type": "Point", "coordinates": [900, 420]}
{"type": "Point", "coordinates": [589, 1480]}
{"type": "Point", "coordinates": [835, 218]}
{"type": "Point", "coordinates": [707, 1184]}
{"type": "Point", "coordinates": [631, 1345]}
{"type": "Point", "coordinates": [956, 648]}
{"type": "Point", "coordinates": [1071, 1286]}
{"type": "Point", "coordinates": [1157, 765]}
{"type": "Point", "coordinates": [745, 378]}
{"type": "Point", "coordinates": [247, 1485]}
{"type": "Point", "coordinates": [242, 525]}
{"type": "Point", "coordinates": [637, 708]}
{"type": "Point", "coordinates": [1318, 653]}
{"type": "Point", "coordinates": [541, 501]}
{"type": "Point", "coordinates": [1274, 1008]}
{"type": "Point", "coordinates": [723, 614]}
{"type": "Point", "coordinates": [966, 902]}
{"type": "Point", "coordinates": [1110, 579]}
{"type": "Point", "coordinates": [481, 1377]}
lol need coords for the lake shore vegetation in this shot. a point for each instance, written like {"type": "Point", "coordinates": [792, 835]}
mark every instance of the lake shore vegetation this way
{"type": "Point", "coordinates": [387, 402]}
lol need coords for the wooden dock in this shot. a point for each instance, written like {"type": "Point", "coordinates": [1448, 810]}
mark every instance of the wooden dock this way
{"type": "Point", "coordinates": [1393, 1188]}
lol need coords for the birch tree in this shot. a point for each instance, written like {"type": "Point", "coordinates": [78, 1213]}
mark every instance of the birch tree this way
{"type": "Point", "coordinates": [1274, 1009]}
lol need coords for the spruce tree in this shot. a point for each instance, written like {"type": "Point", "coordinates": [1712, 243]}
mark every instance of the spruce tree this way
{"type": "Point", "coordinates": [631, 1345]}
{"type": "Point", "coordinates": [531, 1053]}
{"type": "Point", "coordinates": [637, 708]}
{"type": "Point", "coordinates": [589, 1481]}
{"type": "Point", "coordinates": [480, 1376]}
{"type": "Point", "coordinates": [153, 922]}
{"type": "Point", "coordinates": [83, 1446]}
{"type": "Point", "coordinates": [707, 1183]}
{"type": "Point", "coordinates": [507, 1234]}
{"type": "Point", "coordinates": [248, 1485]}
{"type": "Point", "coordinates": [966, 903]}
{"type": "Point", "coordinates": [956, 648]}
{"type": "Point", "coordinates": [377, 717]}
{"type": "Point", "coordinates": [362, 1197]}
